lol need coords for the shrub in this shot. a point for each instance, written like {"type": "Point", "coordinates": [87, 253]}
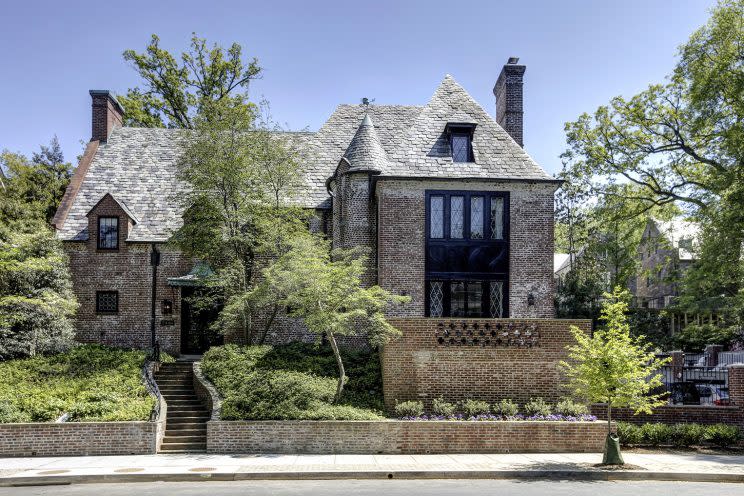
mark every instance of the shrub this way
{"type": "Point", "coordinates": [409, 409]}
{"type": "Point", "coordinates": [570, 408]}
{"type": "Point", "coordinates": [537, 406]}
{"type": "Point", "coordinates": [473, 408]}
{"type": "Point", "coordinates": [91, 382]}
{"type": "Point", "coordinates": [685, 435]}
{"type": "Point", "coordinates": [443, 408]}
{"type": "Point", "coordinates": [507, 408]}
{"type": "Point", "coordinates": [723, 435]}
{"type": "Point", "coordinates": [294, 381]}
{"type": "Point", "coordinates": [695, 337]}
{"type": "Point", "coordinates": [629, 433]}
{"type": "Point", "coordinates": [656, 434]}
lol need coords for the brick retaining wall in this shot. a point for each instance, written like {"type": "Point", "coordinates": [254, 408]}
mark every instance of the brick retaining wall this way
{"type": "Point", "coordinates": [416, 366]}
{"type": "Point", "coordinates": [78, 438]}
{"type": "Point", "coordinates": [403, 437]}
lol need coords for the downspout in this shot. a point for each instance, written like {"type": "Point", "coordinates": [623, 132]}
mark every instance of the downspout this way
{"type": "Point", "coordinates": [154, 262]}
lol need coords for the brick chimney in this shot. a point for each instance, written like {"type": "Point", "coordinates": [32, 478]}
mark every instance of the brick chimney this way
{"type": "Point", "coordinates": [508, 92]}
{"type": "Point", "coordinates": [107, 114]}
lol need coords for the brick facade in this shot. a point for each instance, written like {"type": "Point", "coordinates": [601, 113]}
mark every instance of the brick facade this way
{"type": "Point", "coordinates": [79, 438]}
{"type": "Point", "coordinates": [128, 271]}
{"type": "Point", "coordinates": [403, 437]}
{"type": "Point", "coordinates": [402, 243]}
{"type": "Point", "coordinates": [417, 367]}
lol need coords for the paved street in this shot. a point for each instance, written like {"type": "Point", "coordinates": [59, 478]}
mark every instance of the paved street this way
{"type": "Point", "coordinates": [389, 488]}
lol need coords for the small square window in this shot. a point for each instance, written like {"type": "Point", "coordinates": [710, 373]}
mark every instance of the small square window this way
{"type": "Point", "coordinates": [108, 233]}
{"type": "Point", "coordinates": [107, 301]}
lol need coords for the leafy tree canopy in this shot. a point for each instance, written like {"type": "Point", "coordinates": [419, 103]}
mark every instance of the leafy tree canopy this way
{"type": "Point", "coordinates": [176, 91]}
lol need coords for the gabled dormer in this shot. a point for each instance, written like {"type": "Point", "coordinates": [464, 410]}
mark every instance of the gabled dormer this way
{"type": "Point", "coordinates": [109, 224]}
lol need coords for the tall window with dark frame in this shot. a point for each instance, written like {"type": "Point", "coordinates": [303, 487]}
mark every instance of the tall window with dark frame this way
{"type": "Point", "coordinates": [467, 254]}
{"type": "Point", "coordinates": [108, 233]}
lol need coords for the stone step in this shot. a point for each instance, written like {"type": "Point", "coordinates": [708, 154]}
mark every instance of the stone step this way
{"type": "Point", "coordinates": [198, 424]}
{"type": "Point", "coordinates": [189, 410]}
{"type": "Point", "coordinates": [178, 438]}
{"type": "Point", "coordinates": [185, 401]}
{"type": "Point", "coordinates": [199, 446]}
{"type": "Point", "coordinates": [177, 390]}
{"type": "Point", "coordinates": [170, 431]}
{"type": "Point", "coordinates": [193, 419]}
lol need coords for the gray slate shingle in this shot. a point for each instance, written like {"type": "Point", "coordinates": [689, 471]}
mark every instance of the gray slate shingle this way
{"type": "Point", "coordinates": [138, 166]}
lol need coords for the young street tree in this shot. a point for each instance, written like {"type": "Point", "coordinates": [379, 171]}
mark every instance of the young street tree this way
{"type": "Point", "coordinates": [176, 92]}
{"type": "Point", "coordinates": [614, 368]}
{"type": "Point", "coordinates": [324, 289]}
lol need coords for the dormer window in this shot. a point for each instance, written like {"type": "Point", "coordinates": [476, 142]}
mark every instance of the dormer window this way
{"type": "Point", "coordinates": [108, 233]}
{"type": "Point", "coordinates": [461, 141]}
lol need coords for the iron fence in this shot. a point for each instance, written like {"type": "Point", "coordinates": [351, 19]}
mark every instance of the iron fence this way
{"type": "Point", "coordinates": [696, 385]}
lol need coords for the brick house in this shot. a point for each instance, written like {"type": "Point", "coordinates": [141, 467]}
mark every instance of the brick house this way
{"type": "Point", "coordinates": [666, 250]}
{"type": "Point", "coordinates": [455, 213]}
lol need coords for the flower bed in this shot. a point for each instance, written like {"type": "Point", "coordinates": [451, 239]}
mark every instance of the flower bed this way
{"type": "Point", "coordinates": [488, 417]}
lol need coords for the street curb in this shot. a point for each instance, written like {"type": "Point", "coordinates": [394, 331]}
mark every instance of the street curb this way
{"type": "Point", "coordinates": [631, 475]}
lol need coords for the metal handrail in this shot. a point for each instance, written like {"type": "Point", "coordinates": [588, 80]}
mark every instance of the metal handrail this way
{"type": "Point", "coordinates": [152, 388]}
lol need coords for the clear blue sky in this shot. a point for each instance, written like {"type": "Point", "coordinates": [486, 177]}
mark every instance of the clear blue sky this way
{"type": "Point", "coordinates": [316, 54]}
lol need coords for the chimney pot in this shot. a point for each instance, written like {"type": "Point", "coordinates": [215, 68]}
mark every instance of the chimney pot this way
{"type": "Point", "coordinates": [509, 99]}
{"type": "Point", "coordinates": [107, 114]}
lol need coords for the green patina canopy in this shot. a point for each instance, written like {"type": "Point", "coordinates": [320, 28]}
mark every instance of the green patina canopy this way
{"type": "Point", "coordinates": [196, 276]}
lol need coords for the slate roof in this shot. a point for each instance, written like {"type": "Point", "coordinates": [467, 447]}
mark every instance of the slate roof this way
{"type": "Point", "coordinates": [138, 165]}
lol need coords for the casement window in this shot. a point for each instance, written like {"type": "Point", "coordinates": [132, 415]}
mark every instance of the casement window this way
{"type": "Point", "coordinates": [108, 233]}
{"type": "Point", "coordinates": [467, 254]}
{"type": "Point", "coordinates": [107, 302]}
{"type": "Point", "coordinates": [460, 137]}
{"type": "Point", "coordinates": [466, 299]}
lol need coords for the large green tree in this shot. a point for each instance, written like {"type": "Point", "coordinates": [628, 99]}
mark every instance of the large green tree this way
{"type": "Point", "coordinates": [680, 142]}
{"type": "Point", "coordinates": [36, 298]}
{"type": "Point", "coordinates": [32, 189]}
{"type": "Point", "coordinates": [239, 212]}
{"type": "Point", "coordinates": [176, 89]}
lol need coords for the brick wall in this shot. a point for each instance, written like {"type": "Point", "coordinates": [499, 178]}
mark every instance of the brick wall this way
{"type": "Point", "coordinates": [128, 271]}
{"type": "Point", "coordinates": [78, 438]}
{"type": "Point", "coordinates": [372, 437]}
{"type": "Point", "coordinates": [401, 242]}
{"type": "Point", "coordinates": [417, 367]}
{"type": "Point", "coordinates": [700, 414]}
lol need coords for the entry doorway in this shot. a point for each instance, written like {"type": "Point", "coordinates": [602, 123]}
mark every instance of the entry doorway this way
{"type": "Point", "coordinates": [197, 336]}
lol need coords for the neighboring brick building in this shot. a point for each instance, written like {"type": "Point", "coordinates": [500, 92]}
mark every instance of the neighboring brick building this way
{"type": "Point", "coordinates": [666, 250]}
{"type": "Point", "coordinates": [455, 213]}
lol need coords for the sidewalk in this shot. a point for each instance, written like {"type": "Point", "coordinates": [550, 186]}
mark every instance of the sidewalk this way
{"type": "Point", "coordinates": [148, 468]}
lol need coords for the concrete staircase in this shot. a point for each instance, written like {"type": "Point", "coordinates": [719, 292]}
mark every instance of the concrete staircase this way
{"type": "Point", "coordinates": [186, 420]}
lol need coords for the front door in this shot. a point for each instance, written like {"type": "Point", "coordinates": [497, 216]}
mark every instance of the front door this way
{"type": "Point", "coordinates": [196, 333]}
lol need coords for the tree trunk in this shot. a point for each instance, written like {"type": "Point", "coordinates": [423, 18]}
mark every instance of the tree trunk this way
{"type": "Point", "coordinates": [340, 363]}
{"type": "Point", "coordinates": [269, 323]}
{"type": "Point", "coordinates": [609, 418]}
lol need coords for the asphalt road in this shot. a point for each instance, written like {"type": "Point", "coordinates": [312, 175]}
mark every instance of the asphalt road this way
{"type": "Point", "coordinates": [385, 488]}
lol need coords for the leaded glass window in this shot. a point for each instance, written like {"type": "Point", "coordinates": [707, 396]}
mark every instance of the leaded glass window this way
{"type": "Point", "coordinates": [107, 301]}
{"type": "Point", "coordinates": [497, 217]}
{"type": "Point", "coordinates": [460, 147]}
{"type": "Point", "coordinates": [436, 298]}
{"type": "Point", "coordinates": [475, 298]}
{"type": "Point", "coordinates": [108, 233]}
{"type": "Point", "coordinates": [457, 299]}
{"type": "Point", "coordinates": [496, 299]}
{"type": "Point", "coordinates": [476, 217]}
{"type": "Point", "coordinates": [457, 220]}
{"type": "Point", "coordinates": [436, 228]}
